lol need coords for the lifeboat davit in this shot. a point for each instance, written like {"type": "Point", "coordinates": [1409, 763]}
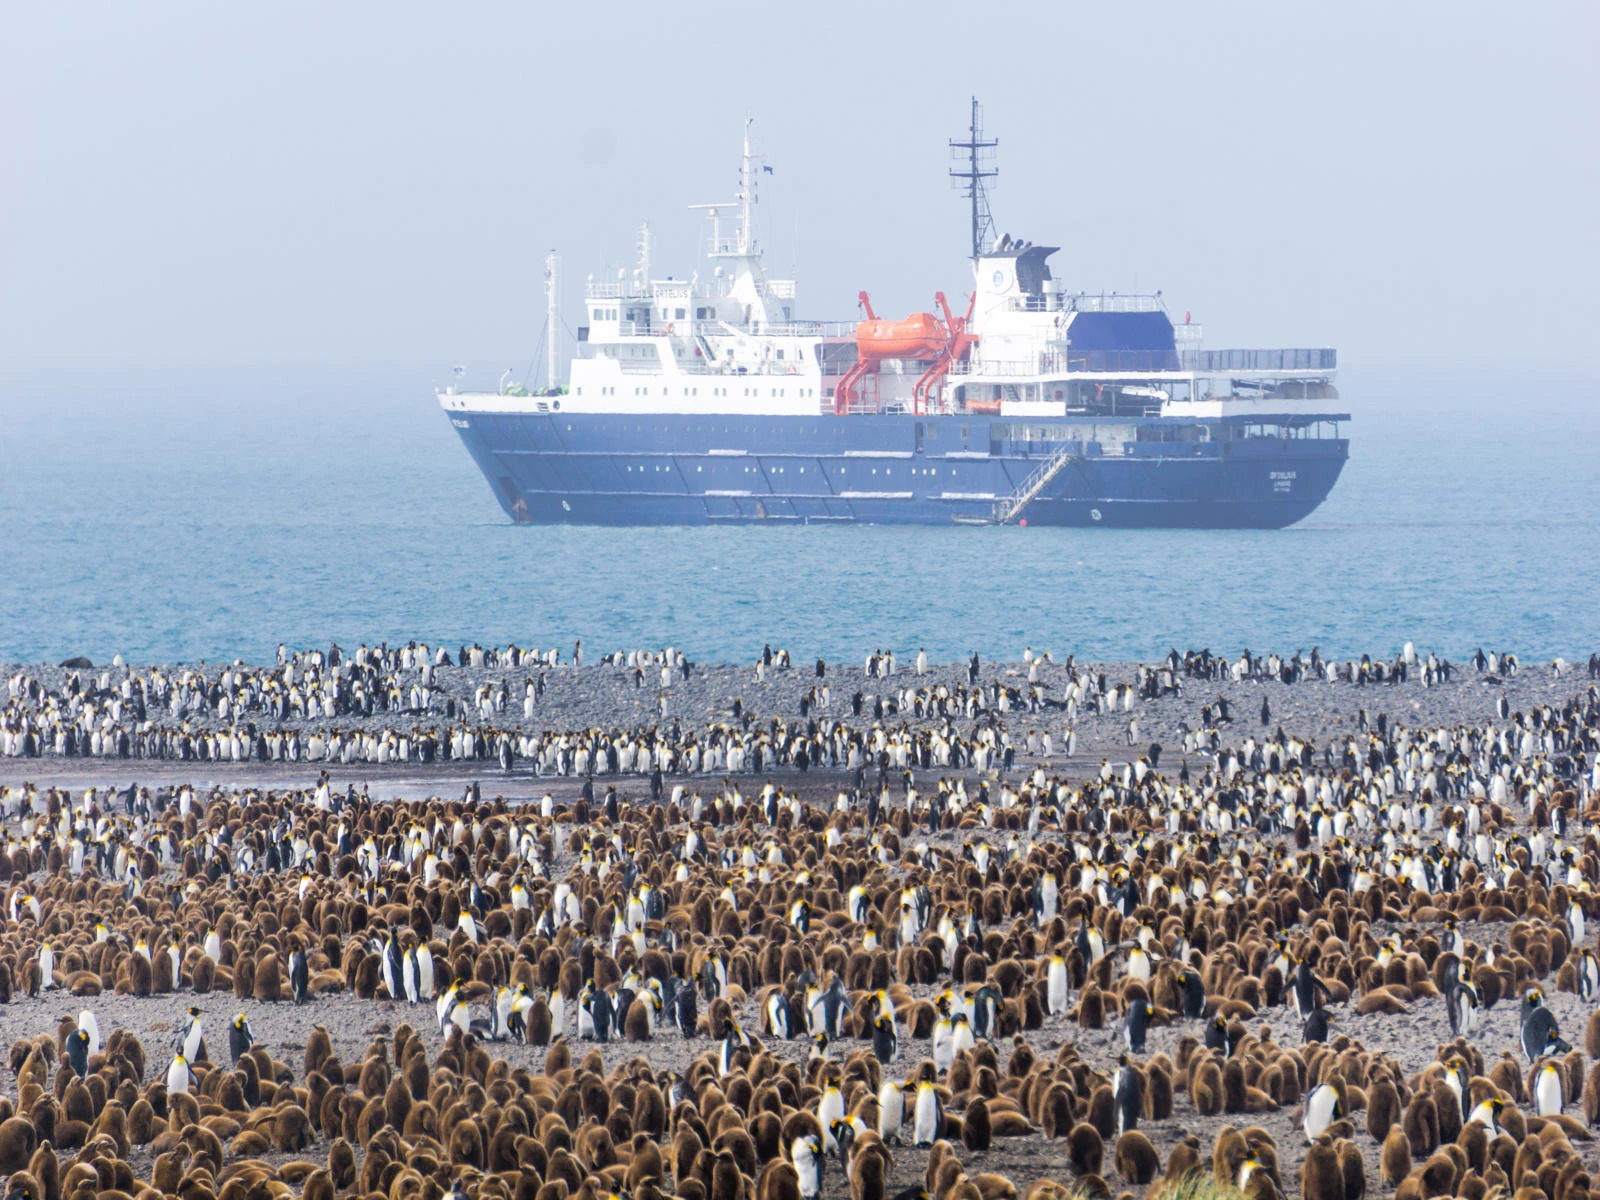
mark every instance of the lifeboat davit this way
{"type": "Point", "coordinates": [921, 335]}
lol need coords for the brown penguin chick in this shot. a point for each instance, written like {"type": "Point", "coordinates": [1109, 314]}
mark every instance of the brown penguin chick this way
{"type": "Point", "coordinates": [1321, 1176]}
{"type": "Point", "coordinates": [1206, 1088]}
{"type": "Point", "coordinates": [975, 1127]}
{"type": "Point", "coordinates": [267, 978]}
{"type": "Point", "coordinates": [1136, 1158]}
{"type": "Point", "coordinates": [778, 1181]}
{"type": "Point", "coordinates": [1353, 1167]}
{"type": "Point", "coordinates": [726, 1181]}
{"type": "Point", "coordinates": [1184, 1158]}
{"type": "Point", "coordinates": [1086, 1149]}
{"type": "Point", "coordinates": [45, 1168]}
{"type": "Point", "coordinates": [18, 1140]}
{"type": "Point", "coordinates": [1395, 1159]}
{"type": "Point", "coordinates": [1421, 1124]}
{"type": "Point", "coordinates": [318, 1186]}
{"type": "Point", "coordinates": [1091, 1012]}
{"type": "Point", "coordinates": [869, 1172]}
{"type": "Point", "coordinates": [341, 1164]}
{"type": "Point", "coordinates": [1383, 1108]}
{"type": "Point", "coordinates": [636, 1023]}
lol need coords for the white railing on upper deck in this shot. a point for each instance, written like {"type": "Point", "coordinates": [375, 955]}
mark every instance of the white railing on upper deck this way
{"type": "Point", "coordinates": [710, 328]}
{"type": "Point", "coordinates": [1139, 362]}
{"type": "Point", "coordinates": [1083, 302]}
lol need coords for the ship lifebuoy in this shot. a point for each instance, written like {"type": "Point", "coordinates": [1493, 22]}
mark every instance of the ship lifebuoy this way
{"type": "Point", "coordinates": [669, 328]}
{"type": "Point", "coordinates": [793, 370]}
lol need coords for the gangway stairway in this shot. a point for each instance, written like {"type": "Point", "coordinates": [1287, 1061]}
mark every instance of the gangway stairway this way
{"type": "Point", "coordinates": [1010, 509]}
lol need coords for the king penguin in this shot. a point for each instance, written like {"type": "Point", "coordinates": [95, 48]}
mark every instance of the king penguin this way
{"type": "Point", "coordinates": [885, 1041]}
{"type": "Point", "coordinates": [809, 1162]}
{"type": "Point", "coordinates": [190, 1036]}
{"type": "Point", "coordinates": [1135, 1024]}
{"type": "Point", "coordinates": [1323, 1108]}
{"type": "Point", "coordinates": [929, 1116]}
{"type": "Point", "coordinates": [240, 1038]}
{"type": "Point", "coordinates": [1547, 1092]}
{"type": "Point", "coordinates": [1126, 1094]}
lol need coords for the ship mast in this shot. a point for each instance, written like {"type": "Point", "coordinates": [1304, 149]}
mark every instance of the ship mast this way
{"type": "Point", "coordinates": [747, 193]}
{"type": "Point", "coordinates": [552, 299]}
{"type": "Point", "coordinates": [975, 154]}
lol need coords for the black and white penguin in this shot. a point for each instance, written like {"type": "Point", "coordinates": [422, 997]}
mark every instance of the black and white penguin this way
{"type": "Point", "coordinates": [1316, 1027]}
{"type": "Point", "coordinates": [885, 1040]}
{"type": "Point", "coordinates": [1217, 1035]}
{"type": "Point", "coordinates": [1127, 1094]}
{"type": "Point", "coordinates": [1487, 1113]}
{"type": "Point", "coordinates": [1541, 1036]}
{"type": "Point", "coordinates": [809, 1163]}
{"type": "Point", "coordinates": [1588, 975]}
{"type": "Point", "coordinates": [178, 1076]}
{"type": "Point", "coordinates": [685, 1008]}
{"type": "Point", "coordinates": [1135, 1024]}
{"type": "Point", "coordinates": [1194, 993]}
{"type": "Point", "coordinates": [1323, 1108]}
{"type": "Point", "coordinates": [986, 1006]}
{"type": "Point", "coordinates": [1548, 1097]}
{"type": "Point", "coordinates": [392, 967]}
{"type": "Point", "coordinates": [190, 1036]}
{"type": "Point", "coordinates": [928, 1117]}
{"type": "Point", "coordinates": [240, 1038]}
{"type": "Point", "coordinates": [1309, 991]}
{"type": "Point", "coordinates": [78, 1052]}
{"type": "Point", "coordinates": [780, 1020]}
{"type": "Point", "coordinates": [299, 974]}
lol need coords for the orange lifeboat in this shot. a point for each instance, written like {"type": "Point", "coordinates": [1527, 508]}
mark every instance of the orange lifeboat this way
{"type": "Point", "coordinates": [921, 335]}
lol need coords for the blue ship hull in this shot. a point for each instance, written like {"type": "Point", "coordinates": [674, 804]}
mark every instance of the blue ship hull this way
{"type": "Point", "coordinates": [898, 469]}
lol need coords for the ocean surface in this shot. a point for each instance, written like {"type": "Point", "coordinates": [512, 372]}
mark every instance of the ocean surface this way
{"type": "Point", "coordinates": [210, 515]}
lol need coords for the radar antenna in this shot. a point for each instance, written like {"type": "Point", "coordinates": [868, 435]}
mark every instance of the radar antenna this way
{"type": "Point", "coordinates": [974, 155]}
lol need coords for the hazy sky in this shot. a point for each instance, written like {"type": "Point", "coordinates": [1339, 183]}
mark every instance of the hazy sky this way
{"type": "Point", "coordinates": [315, 183]}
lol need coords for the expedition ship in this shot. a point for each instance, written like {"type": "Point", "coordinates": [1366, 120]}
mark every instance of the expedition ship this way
{"type": "Point", "coordinates": [702, 401]}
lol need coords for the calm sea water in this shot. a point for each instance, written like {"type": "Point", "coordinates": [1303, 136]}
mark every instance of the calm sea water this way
{"type": "Point", "coordinates": [212, 515]}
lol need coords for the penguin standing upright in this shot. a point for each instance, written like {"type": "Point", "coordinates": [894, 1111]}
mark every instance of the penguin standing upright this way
{"type": "Point", "coordinates": [78, 1052]}
{"type": "Point", "coordinates": [1547, 1092]}
{"type": "Point", "coordinates": [392, 967]}
{"type": "Point", "coordinates": [240, 1038]}
{"type": "Point", "coordinates": [191, 1035]}
{"type": "Point", "coordinates": [928, 1119]}
{"type": "Point", "coordinates": [1056, 985]}
{"type": "Point", "coordinates": [299, 974]}
{"type": "Point", "coordinates": [885, 1040]}
{"type": "Point", "coordinates": [1127, 1093]}
{"type": "Point", "coordinates": [891, 1110]}
{"type": "Point", "coordinates": [1194, 993]}
{"type": "Point", "coordinates": [1588, 975]}
{"type": "Point", "coordinates": [986, 1006]}
{"type": "Point", "coordinates": [1316, 1027]}
{"type": "Point", "coordinates": [1323, 1108]}
{"type": "Point", "coordinates": [685, 1005]}
{"type": "Point", "coordinates": [178, 1076]}
{"type": "Point", "coordinates": [809, 1162]}
{"type": "Point", "coordinates": [1309, 991]}
{"type": "Point", "coordinates": [1135, 1024]}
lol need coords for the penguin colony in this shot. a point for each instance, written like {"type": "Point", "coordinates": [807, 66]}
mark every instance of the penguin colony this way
{"type": "Point", "coordinates": [421, 704]}
{"type": "Point", "coordinates": [864, 989]}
